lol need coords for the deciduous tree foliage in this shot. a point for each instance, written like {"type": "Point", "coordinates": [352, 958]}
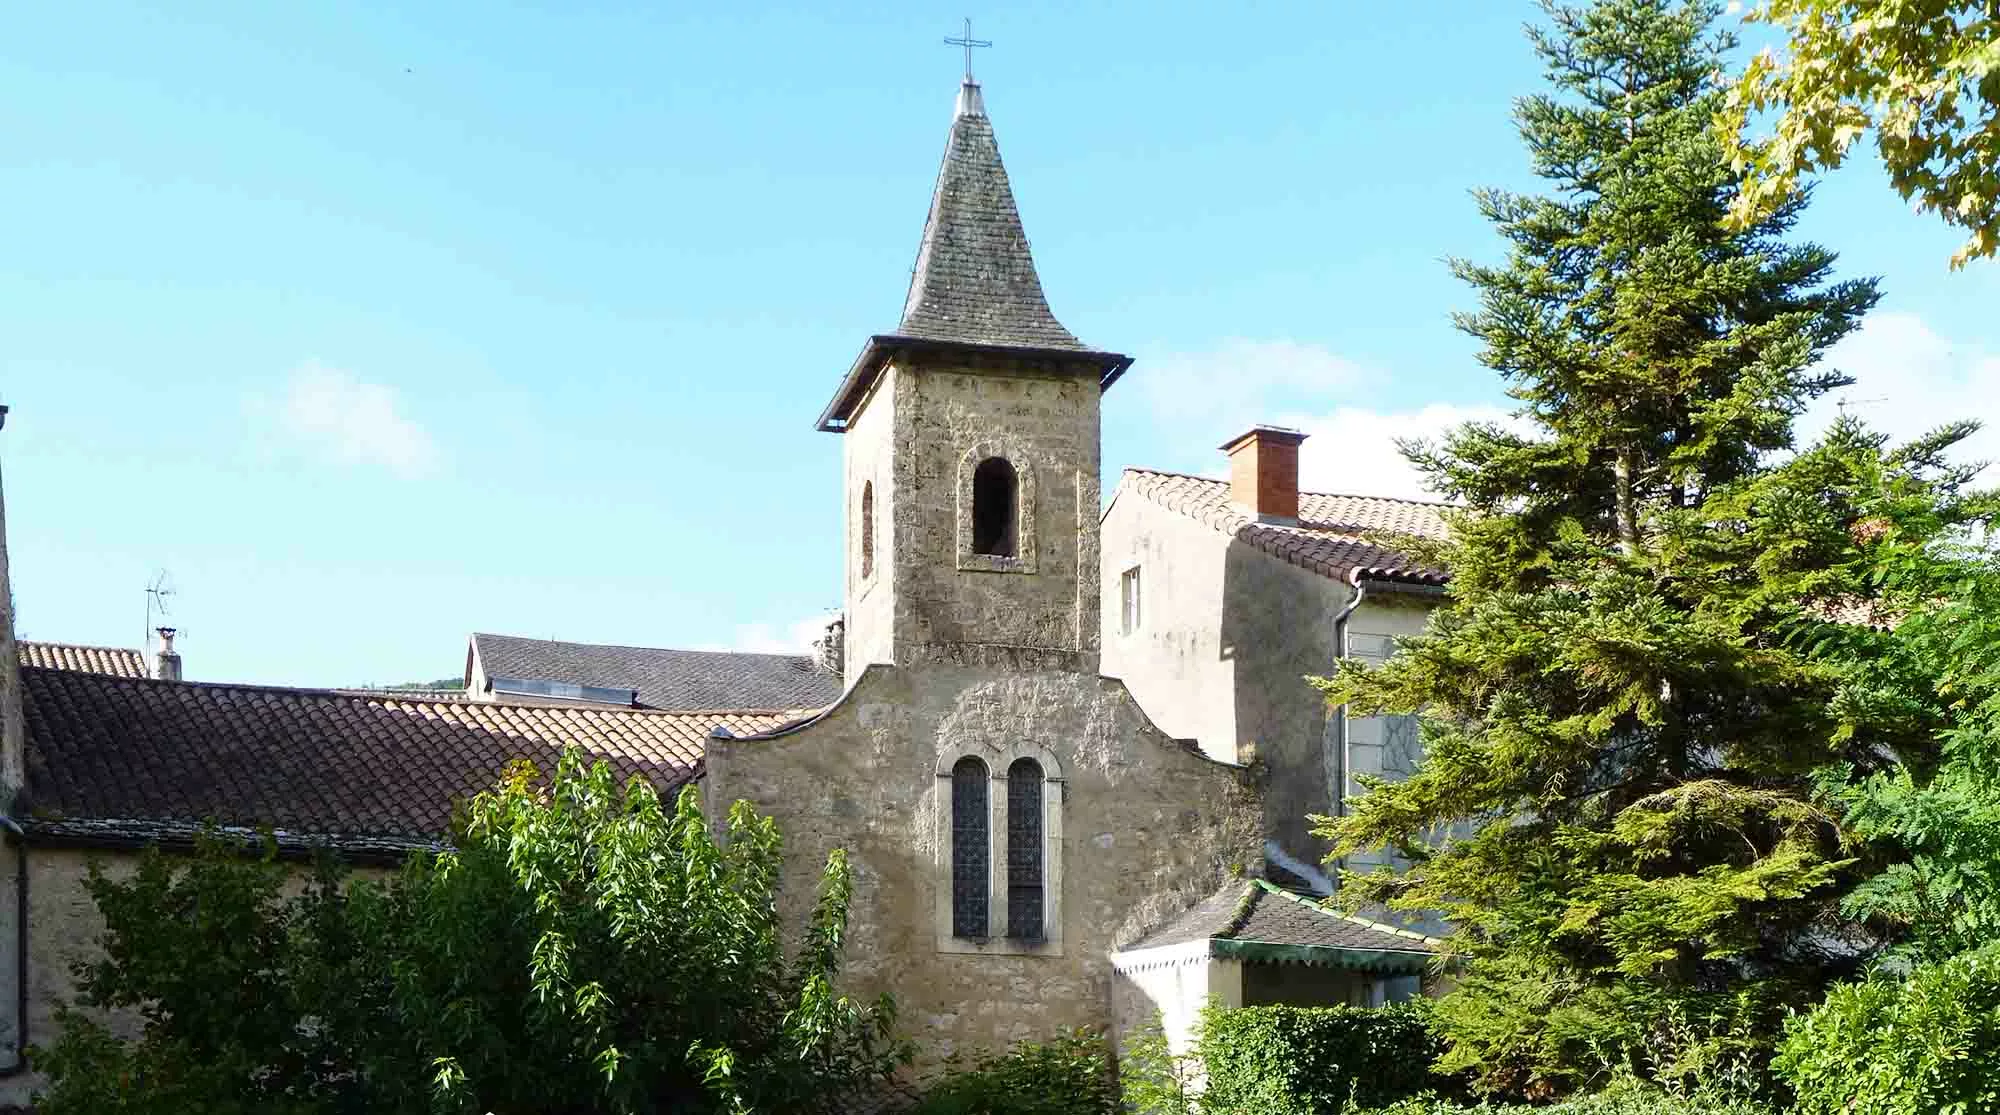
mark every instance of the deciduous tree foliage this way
{"type": "Point", "coordinates": [584, 949]}
{"type": "Point", "coordinates": [1638, 669]}
{"type": "Point", "coordinates": [1924, 77]}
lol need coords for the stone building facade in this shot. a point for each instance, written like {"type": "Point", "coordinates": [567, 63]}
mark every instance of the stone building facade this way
{"type": "Point", "coordinates": [1013, 817]}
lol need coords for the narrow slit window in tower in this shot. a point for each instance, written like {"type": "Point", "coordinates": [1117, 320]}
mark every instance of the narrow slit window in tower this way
{"type": "Point", "coordinates": [867, 529]}
{"type": "Point", "coordinates": [995, 497]}
{"type": "Point", "coordinates": [968, 848]}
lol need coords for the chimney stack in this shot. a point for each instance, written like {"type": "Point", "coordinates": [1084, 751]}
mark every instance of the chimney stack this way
{"type": "Point", "coordinates": [1264, 472]}
{"type": "Point", "coordinates": [830, 649]}
{"type": "Point", "coordinates": [166, 661]}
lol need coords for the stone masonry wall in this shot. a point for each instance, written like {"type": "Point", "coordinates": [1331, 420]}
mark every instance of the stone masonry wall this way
{"type": "Point", "coordinates": [65, 929]}
{"type": "Point", "coordinates": [12, 730]}
{"type": "Point", "coordinates": [868, 447]}
{"type": "Point", "coordinates": [1045, 424]}
{"type": "Point", "coordinates": [1149, 827]}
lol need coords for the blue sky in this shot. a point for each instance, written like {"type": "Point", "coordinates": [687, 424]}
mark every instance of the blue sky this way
{"type": "Point", "coordinates": [379, 325]}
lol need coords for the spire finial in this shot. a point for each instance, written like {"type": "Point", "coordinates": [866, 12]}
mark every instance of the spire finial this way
{"type": "Point", "coordinates": [968, 42]}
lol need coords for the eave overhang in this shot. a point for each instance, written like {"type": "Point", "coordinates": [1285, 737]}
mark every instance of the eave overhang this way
{"type": "Point", "coordinates": [882, 347]}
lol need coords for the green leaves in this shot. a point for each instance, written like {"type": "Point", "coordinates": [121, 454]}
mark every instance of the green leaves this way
{"type": "Point", "coordinates": [1297, 1060]}
{"type": "Point", "coordinates": [1926, 1043]}
{"type": "Point", "coordinates": [583, 948]}
{"type": "Point", "coordinates": [1925, 77]}
{"type": "Point", "coordinates": [1660, 625]}
{"type": "Point", "coordinates": [1070, 1075]}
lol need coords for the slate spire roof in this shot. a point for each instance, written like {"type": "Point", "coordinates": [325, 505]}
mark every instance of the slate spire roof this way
{"type": "Point", "coordinates": [975, 280]}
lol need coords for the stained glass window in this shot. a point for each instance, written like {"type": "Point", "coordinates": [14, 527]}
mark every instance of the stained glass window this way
{"type": "Point", "coordinates": [1024, 851]}
{"type": "Point", "coordinates": [968, 848]}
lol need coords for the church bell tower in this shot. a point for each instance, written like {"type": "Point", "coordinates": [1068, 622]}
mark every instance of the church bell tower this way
{"type": "Point", "coordinates": [970, 479]}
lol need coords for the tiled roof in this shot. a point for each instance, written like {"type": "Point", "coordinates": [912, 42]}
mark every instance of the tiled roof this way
{"type": "Point", "coordinates": [419, 694]}
{"type": "Point", "coordinates": [666, 679]}
{"type": "Point", "coordinates": [975, 280]}
{"type": "Point", "coordinates": [1254, 911]}
{"type": "Point", "coordinates": [1327, 538]}
{"type": "Point", "coordinates": [1857, 611]}
{"type": "Point", "coordinates": [121, 662]}
{"type": "Point", "coordinates": [121, 750]}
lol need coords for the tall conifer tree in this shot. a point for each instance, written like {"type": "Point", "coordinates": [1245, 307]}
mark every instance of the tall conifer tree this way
{"type": "Point", "coordinates": [1625, 695]}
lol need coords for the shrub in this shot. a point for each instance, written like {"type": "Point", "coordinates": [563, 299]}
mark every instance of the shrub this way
{"type": "Point", "coordinates": [1068, 1076]}
{"type": "Point", "coordinates": [1926, 1043]}
{"type": "Point", "coordinates": [584, 948]}
{"type": "Point", "coordinates": [1629, 1098]}
{"type": "Point", "coordinates": [1305, 1060]}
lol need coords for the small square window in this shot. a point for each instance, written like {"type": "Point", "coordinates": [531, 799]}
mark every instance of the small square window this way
{"type": "Point", "coordinates": [1128, 598]}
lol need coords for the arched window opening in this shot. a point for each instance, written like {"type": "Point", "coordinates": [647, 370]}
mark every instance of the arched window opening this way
{"type": "Point", "coordinates": [1024, 851]}
{"type": "Point", "coordinates": [995, 497]}
{"type": "Point", "coordinates": [968, 848]}
{"type": "Point", "coordinates": [868, 529]}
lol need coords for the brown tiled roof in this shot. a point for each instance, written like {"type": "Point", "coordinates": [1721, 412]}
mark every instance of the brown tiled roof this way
{"type": "Point", "coordinates": [121, 662]}
{"type": "Point", "coordinates": [109, 751]}
{"type": "Point", "coordinates": [1254, 911]}
{"type": "Point", "coordinates": [1857, 611]}
{"type": "Point", "coordinates": [662, 677]}
{"type": "Point", "coordinates": [418, 694]}
{"type": "Point", "coordinates": [1328, 537]}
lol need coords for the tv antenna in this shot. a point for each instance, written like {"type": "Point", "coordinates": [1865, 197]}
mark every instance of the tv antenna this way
{"type": "Point", "coordinates": [157, 592]}
{"type": "Point", "coordinates": [1844, 402]}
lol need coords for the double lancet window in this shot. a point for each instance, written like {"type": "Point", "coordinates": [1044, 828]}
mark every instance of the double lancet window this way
{"type": "Point", "coordinates": [1002, 827]}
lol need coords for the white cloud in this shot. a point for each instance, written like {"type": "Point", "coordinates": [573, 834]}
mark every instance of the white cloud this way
{"type": "Point", "coordinates": [1909, 380]}
{"type": "Point", "coordinates": [1239, 381]}
{"type": "Point", "coordinates": [1214, 393]}
{"type": "Point", "coordinates": [333, 414]}
{"type": "Point", "coordinates": [764, 638]}
{"type": "Point", "coordinates": [1353, 450]}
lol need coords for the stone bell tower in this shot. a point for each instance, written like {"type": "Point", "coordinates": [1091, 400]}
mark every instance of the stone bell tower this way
{"type": "Point", "coordinates": [971, 464]}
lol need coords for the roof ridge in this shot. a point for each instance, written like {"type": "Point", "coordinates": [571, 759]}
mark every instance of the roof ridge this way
{"type": "Point", "coordinates": [1302, 492]}
{"type": "Point", "coordinates": [82, 646]}
{"type": "Point", "coordinates": [631, 646]}
{"type": "Point", "coordinates": [421, 699]}
{"type": "Point", "coordinates": [1245, 906]}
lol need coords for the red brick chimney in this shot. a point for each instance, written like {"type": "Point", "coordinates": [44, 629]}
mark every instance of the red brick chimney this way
{"type": "Point", "coordinates": [1264, 471]}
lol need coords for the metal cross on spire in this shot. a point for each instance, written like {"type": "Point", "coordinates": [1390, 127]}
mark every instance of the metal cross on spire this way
{"type": "Point", "coordinates": [968, 42]}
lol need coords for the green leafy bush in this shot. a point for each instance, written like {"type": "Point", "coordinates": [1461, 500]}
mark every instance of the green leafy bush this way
{"type": "Point", "coordinates": [1926, 1043]}
{"type": "Point", "coordinates": [584, 948]}
{"type": "Point", "coordinates": [1068, 1076]}
{"type": "Point", "coordinates": [1304, 1060]}
{"type": "Point", "coordinates": [1629, 1098]}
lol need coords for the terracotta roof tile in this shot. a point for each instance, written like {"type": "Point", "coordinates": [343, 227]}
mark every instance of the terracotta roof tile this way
{"type": "Point", "coordinates": [111, 750]}
{"type": "Point", "coordinates": [121, 662]}
{"type": "Point", "coordinates": [1328, 537]}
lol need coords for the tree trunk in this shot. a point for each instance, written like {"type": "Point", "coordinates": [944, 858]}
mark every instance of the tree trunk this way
{"type": "Point", "coordinates": [1628, 504]}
